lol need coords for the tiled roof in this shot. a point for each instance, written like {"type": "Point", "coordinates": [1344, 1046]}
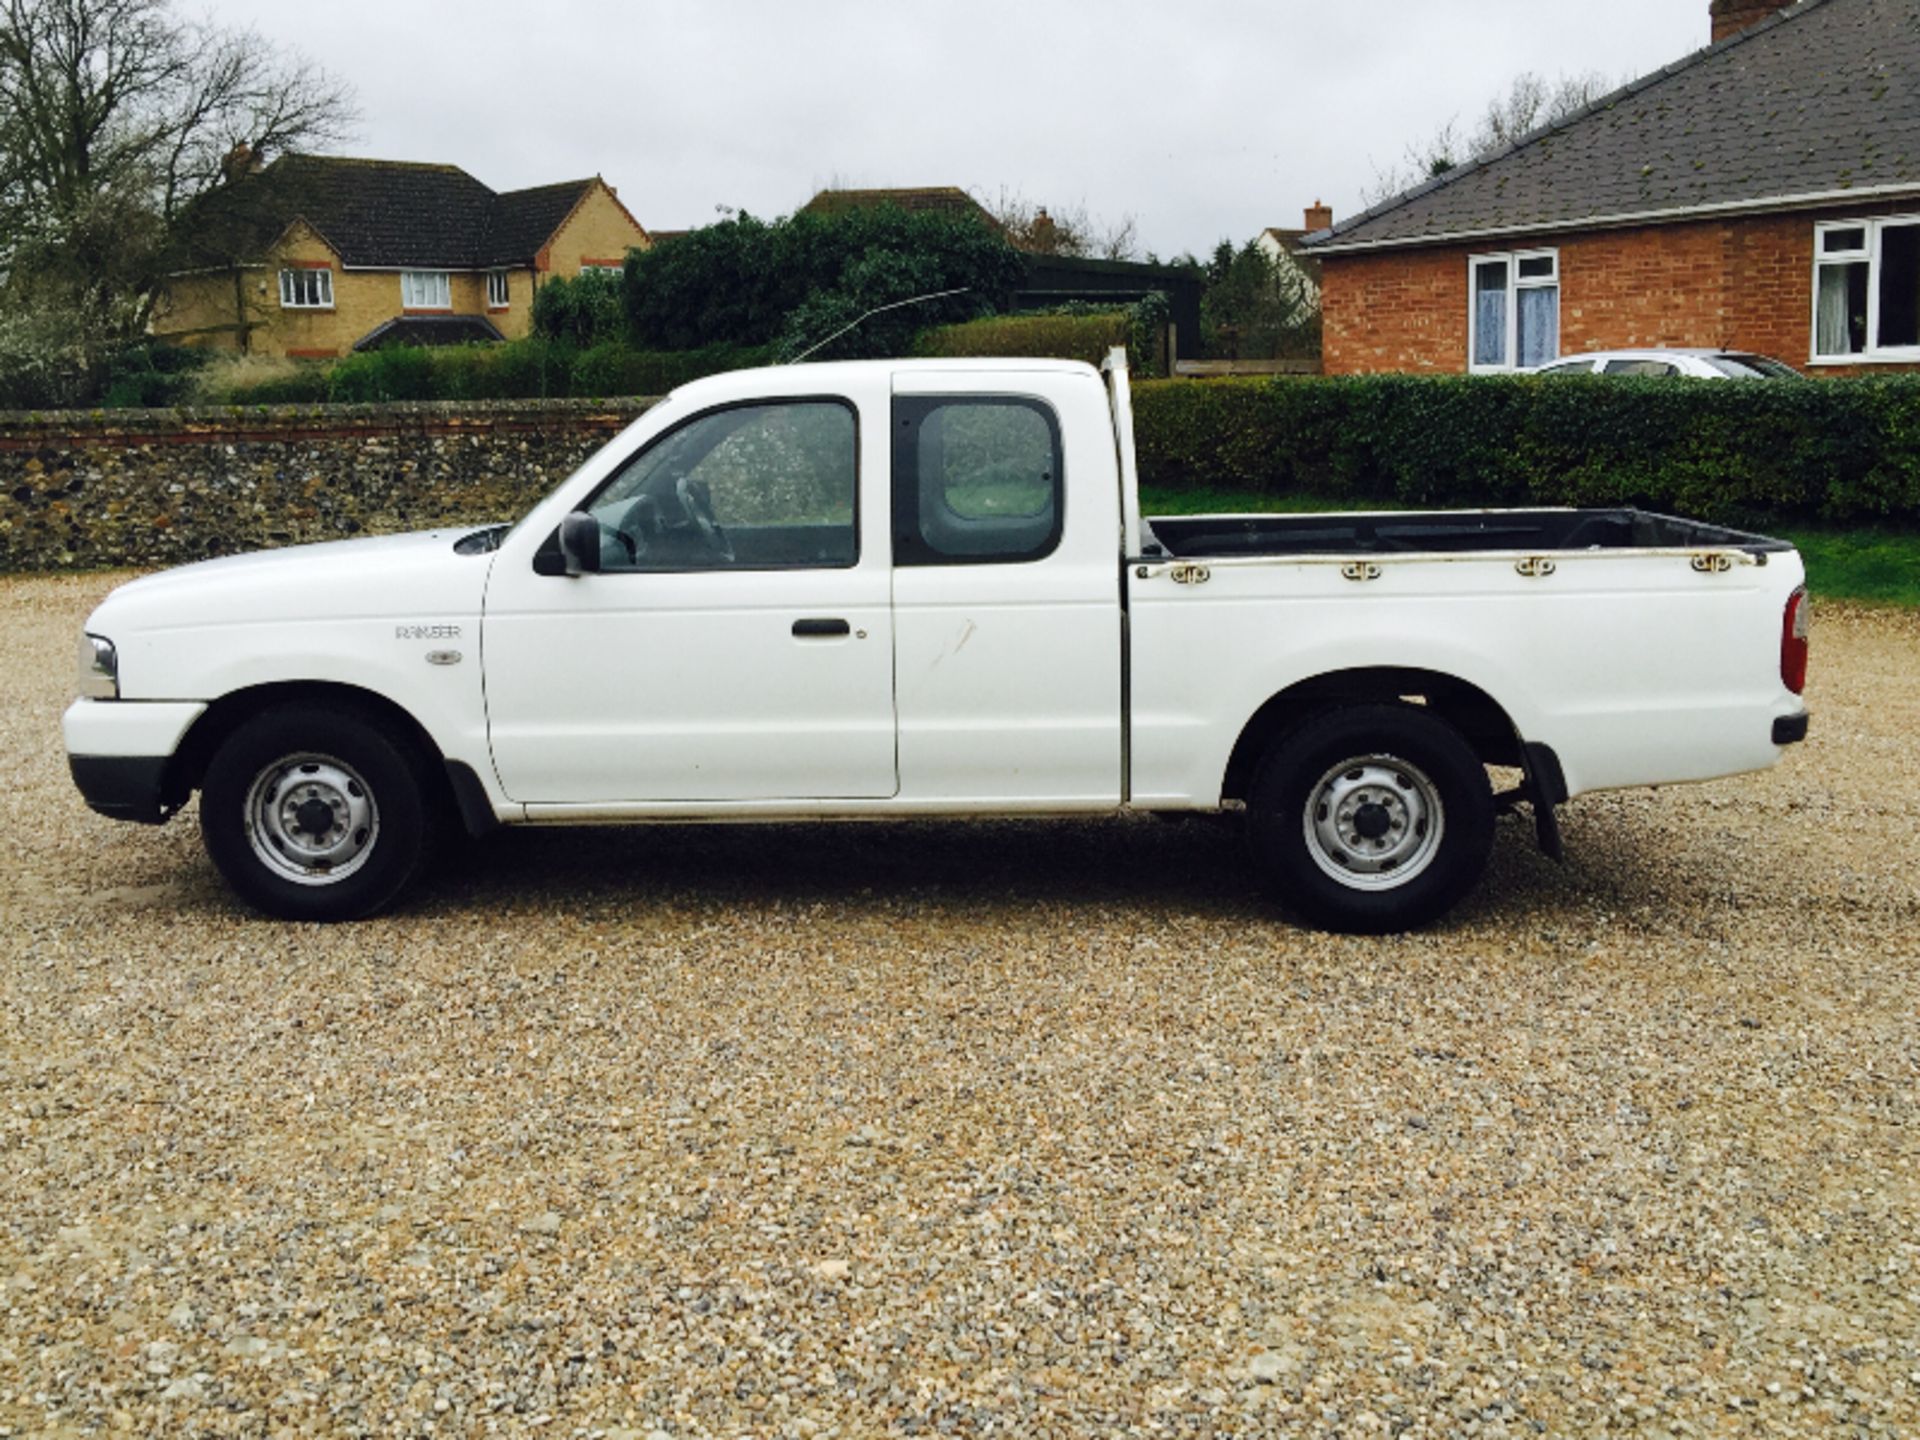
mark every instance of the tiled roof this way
{"type": "Point", "coordinates": [429, 330]}
{"type": "Point", "coordinates": [931, 199]}
{"type": "Point", "coordinates": [384, 214]}
{"type": "Point", "coordinates": [1822, 99]}
{"type": "Point", "coordinates": [524, 220]}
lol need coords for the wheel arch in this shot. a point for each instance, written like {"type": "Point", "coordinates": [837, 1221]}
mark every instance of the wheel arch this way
{"type": "Point", "coordinates": [188, 768]}
{"type": "Point", "coordinates": [1481, 719]}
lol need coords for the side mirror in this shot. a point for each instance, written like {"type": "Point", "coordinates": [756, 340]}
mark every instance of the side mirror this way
{"type": "Point", "coordinates": [580, 544]}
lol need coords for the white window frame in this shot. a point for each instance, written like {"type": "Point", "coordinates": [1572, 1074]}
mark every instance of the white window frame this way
{"type": "Point", "coordinates": [434, 282]}
{"type": "Point", "coordinates": [1876, 228]}
{"type": "Point", "coordinates": [1515, 284]}
{"type": "Point", "coordinates": [322, 276]}
{"type": "Point", "coordinates": [499, 290]}
{"type": "Point", "coordinates": [603, 269]}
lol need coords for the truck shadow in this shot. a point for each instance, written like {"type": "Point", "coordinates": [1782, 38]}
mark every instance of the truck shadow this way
{"type": "Point", "coordinates": [1134, 864]}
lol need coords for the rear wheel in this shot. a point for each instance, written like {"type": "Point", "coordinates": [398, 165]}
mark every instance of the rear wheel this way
{"type": "Point", "coordinates": [1370, 819]}
{"type": "Point", "coordinates": [315, 813]}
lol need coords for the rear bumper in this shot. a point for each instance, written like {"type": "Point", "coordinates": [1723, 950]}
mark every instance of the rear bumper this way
{"type": "Point", "coordinates": [1790, 729]}
{"type": "Point", "coordinates": [123, 787]}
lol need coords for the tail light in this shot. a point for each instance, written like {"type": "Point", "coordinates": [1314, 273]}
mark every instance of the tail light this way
{"type": "Point", "coordinates": [1795, 627]}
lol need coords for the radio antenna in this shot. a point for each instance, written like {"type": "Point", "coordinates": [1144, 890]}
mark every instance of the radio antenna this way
{"type": "Point", "coordinates": [877, 310]}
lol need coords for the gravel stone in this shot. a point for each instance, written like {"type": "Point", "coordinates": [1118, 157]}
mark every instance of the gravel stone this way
{"type": "Point", "coordinates": [1021, 1129]}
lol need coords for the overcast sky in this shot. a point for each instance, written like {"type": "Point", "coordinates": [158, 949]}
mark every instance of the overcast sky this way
{"type": "Point", "coordinates": [1200, 121]}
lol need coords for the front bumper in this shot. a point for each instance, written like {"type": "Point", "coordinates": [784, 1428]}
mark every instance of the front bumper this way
{"type": "Point", "coordinates": [119, 750]}
{"type": "Point", "coordinates": [123, 787]}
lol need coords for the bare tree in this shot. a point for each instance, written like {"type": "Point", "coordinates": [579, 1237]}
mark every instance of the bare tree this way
{"type": "Point", "coordinates": [1040, 231]}
{"type": "Point", "coordinates": [1530, 102]}
{"type": "Point", "coordinates": [115, 116]}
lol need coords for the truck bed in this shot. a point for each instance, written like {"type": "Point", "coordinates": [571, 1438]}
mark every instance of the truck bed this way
{"type": "Point", "coordinates": [1438, 532]}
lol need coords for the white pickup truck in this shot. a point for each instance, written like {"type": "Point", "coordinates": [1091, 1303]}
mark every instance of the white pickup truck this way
{"type": "Point", "coordinates": [926, 589]}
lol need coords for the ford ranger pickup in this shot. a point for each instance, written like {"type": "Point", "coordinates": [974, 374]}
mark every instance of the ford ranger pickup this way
{"type": "Point", "coordinates": [925, 588]}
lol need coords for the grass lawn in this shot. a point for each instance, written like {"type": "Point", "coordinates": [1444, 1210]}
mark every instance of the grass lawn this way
{"type": "Point", "coordinates": [1875, 564]}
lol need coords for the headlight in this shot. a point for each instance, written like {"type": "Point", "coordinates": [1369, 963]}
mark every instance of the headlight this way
{"type": "Point", "coordinates": [99, 669]}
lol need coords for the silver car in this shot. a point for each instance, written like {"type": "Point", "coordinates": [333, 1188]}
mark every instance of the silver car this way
{"type": "Point", "coordinates": [1691, 364]}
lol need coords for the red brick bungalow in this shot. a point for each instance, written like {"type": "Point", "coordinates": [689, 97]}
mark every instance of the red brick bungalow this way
{"type": "Point", "coordinates": [1762, 194]}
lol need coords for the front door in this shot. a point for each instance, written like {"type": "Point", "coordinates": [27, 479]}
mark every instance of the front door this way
{"type": "Point", "coordinates": [737, 644]}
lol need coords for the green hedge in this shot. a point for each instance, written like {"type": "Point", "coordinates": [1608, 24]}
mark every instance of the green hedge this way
{"type": "Point", "coordinates": [533, 368]}
{"type": "Point", "coordinates": [1062, 337]}
{"type": "Point", "coordinates": [1842, 450]}
{"type": "Point", "coordinates": [1071, 334]}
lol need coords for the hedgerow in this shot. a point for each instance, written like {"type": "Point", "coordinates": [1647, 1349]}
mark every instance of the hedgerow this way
{"type": "Point", "coordinates": [1064, 336]}
{"type": "Point", "coordinates": [1076, 332]}
{"type": "Point", "coordinates": [531, 368]}
{"type": "Point", "coordinates": [1840, 450]}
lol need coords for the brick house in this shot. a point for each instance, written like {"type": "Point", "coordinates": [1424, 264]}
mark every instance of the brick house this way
{"type": "Point", "coordinates": [1762, 194]}
{"type": "Point", "coordinates": [337, 254]}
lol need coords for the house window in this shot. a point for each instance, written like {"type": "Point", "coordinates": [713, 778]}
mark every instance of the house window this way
{"type": "Point", "coordinates": [615, 268]}
{"type": "Point", "coordinates": [305, 289]}
{"type": "Point", "coordinates": [1513, 316]}
{"type": "Point", "coordinates": [1866, 289]}
{"type": "Point", "coordinates": [425, 290]}
{"type": "Point", "coordinates": [497, 293]}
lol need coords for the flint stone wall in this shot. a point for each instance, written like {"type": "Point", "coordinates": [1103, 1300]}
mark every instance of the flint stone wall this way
{"type": "Point", "coordinates": [162, 487]}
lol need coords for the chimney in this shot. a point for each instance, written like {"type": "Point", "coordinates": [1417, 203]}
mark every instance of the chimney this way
{"type": "Point", "coordinates": [1730, 17]}
{"type": "Point", "coordinates": [241, 160]}
{"type": "Point", "coordinates": [1319, 217]}
{"type": "Point", "coordinates": [1043, 237]}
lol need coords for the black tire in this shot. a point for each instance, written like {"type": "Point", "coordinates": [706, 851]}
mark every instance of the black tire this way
{"type": "Point", "coordinates": [1401, 820]}
{"type": "Point", "coordinates": [288, 858]}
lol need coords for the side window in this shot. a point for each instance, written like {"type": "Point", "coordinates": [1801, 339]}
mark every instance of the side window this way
{"type": "Point", "coordinates": [751, 487]}
{"type": "Point", "coordinates": [976, 480]}
{"type": "Point", "coordinates": [1657, 368]}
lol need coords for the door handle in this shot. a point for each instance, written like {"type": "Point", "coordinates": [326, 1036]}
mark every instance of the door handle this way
{"type": "Point", "coordinates": [821, 629]}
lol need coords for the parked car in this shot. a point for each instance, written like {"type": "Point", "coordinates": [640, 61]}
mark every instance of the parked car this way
{"type": "Point", "coordinates": [925, 588]}
{"type": "Point", "coordinates": [1691, 364]}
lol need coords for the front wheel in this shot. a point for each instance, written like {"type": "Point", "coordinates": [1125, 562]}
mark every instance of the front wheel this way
{"type": "Point", "coordinates": [315, 813]}
{"type": "Point", "coordinates": [1371, 819]}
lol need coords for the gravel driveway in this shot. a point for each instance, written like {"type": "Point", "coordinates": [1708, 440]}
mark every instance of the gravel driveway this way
{"type": "Point", "coordinates": [1017, 1129]}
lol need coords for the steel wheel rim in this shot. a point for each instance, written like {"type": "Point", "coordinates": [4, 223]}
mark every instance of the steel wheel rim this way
{"type": "Point", "coordinates": [311, 819]}
{"type": "Point", "coordinates": [1374, 822]}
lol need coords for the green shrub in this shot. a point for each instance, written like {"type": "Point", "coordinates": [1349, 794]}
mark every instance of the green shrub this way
{"type": "Point", "coordinates": [798, 280]}
{"type": "Point", "coordinates": [586, 310]}
{"type": "Point", "coordinates": [150, 376]}
{"type": "Point", "coordinates": [1833, 450]}
{"type": "Point", "coordinates": [304, 384]}
{"type": "Point", "coordinates": [530, 369]}
{"type": "Point", "coordinates": [1073, 332]}
{"type": "Point", "coordinates": [1056, 336]}
{"type": "Point", "coordinates": [396, 373]}
{"type": "Point", "coordinates": [533, 368]}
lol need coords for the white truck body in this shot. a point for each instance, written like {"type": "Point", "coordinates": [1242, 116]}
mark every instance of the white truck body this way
{"type": "Point", "coordinates": [1117, 668]}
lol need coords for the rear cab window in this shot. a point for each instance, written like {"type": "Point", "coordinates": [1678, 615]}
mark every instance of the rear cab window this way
{"type": "Point", "coordinates": [977, 479]}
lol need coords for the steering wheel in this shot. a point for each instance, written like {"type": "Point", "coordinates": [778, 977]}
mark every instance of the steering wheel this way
{"type": "Point", "coordinates": [696, 498]}
{"type": "Point", "coordinates": [637, 523]}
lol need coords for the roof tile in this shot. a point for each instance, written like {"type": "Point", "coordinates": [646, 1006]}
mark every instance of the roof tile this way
{"type": "Point", "coordinates": [1809, 102]}
{"type": "Point", "coordinates": [386, 214]}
